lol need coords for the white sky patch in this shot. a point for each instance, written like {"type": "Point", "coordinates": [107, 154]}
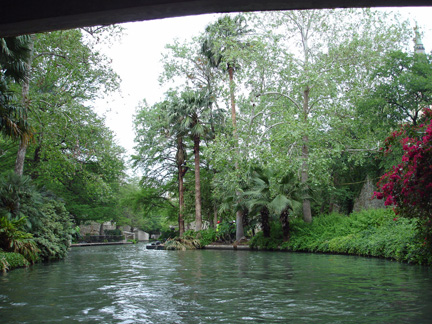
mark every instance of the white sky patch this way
{"type": "Point", "coordinates": [137, 59]}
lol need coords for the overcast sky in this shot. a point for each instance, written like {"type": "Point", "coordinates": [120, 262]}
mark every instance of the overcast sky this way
{"type": "Point", "coordinates": [136, 58]}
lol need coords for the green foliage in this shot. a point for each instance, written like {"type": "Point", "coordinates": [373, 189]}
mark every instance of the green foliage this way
{"type": "Point", "coordinates": [13, 239]}
{"type": "Point", "coordinates": [295, 110]}
{"type": "Point", "coordinates": [273, 242]}
{"type": "Point", "coordinates": [192, 239]}
{"type": "Point", "coordinates": [73, 153]}
{"type": "Point", "coordinates": [146, 206]}
{"type": "Point", "coordinates": [168, 234]}
{"type": "Point", "coordinates": [183, 243]}
{"type": "Point", "coordinates": [14, 54]}
{"type": "Point", "coordinates": [12, 260]}
{"type": "Point", "coordinates": [226, 232]}
{"type": "Point", "coordinates": [20, 198]}
{"type": "Point", "coordinates": [377, 233]}
{"type": "Point", "coordinates": [403, 87]}
{"type": "Point", "coordinates": [53, 233]}
{"type": "Point", "coordinates": [205, 237]}
{"type": "Point", "coordinates": [35, 225]}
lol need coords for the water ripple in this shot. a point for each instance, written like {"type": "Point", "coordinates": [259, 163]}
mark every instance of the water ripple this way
{"type": "Point", "coordinates": [128, 284]}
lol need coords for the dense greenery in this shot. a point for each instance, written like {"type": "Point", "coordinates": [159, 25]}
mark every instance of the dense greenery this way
{"type": "Point", "coordinates": [273, 121]}
{"type": "Point", "coordinates": [11, 260]}
{"type": "Point", "coordinates": [295, 109]}
{"type": "Point", "coordinates": [378, 233]}
{"type": "Point", "coordinates": [54, 141]}
{"type": "Point", "coordinates": [308, 118]}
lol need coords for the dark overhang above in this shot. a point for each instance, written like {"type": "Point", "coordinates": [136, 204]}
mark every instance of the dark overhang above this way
{"type": "Point", "coordinates": [31, 16]}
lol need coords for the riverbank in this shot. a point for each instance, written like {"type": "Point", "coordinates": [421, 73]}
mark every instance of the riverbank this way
{"type": "Point", "coordinates": [372, 233]}
{"type": "Point", "coordinates": [96, 244]}
{"type": "Point", "coordinates": [376, 233]}
{"type": "Point", "coordinates": [12, 260]}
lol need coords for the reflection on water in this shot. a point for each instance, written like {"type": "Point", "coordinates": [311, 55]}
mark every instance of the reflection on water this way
{"type": "Point", "coordinates": [128, 284]}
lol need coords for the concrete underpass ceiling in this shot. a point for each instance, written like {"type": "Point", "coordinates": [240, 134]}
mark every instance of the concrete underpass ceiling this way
{"type": "Point", "coordinates": [31, 16]}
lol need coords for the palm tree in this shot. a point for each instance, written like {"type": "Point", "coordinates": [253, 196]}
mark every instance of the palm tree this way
{"type": "Point", "coordinates": [289, 195]}
{"type": "Point", "coordinates": [181, 167]}
{"type": "Point", "coordinates": [258, 197]}
{"type": "Point", "coordinates": [174, 128]}
{"type": "Point", "coordinates": [191, 113]}
{"type": "Point", "coordinates": [280, 198]}
{"type": "Point", "coordinates": [14, 56]}
{"type": "Point", "coordinates": [222, 40]}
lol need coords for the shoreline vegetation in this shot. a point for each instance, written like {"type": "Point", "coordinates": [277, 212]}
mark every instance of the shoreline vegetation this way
{"type": "Point", "coordinates": [260, 139]}
{"type": "Point", "coordinates": [369, 233]}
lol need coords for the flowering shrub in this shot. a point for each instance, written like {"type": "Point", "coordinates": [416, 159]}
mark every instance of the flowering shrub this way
{"type": "Point", "coordinates": [408, 185]}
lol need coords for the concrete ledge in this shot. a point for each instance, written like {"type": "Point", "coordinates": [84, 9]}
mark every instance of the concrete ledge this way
{"type": "Point", "coordinates": [227, 247]}
{"type": "Point", "coordinates": [104, 243]}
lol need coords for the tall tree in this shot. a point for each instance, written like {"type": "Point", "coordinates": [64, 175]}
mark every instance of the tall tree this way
{"type": "Point", "coordinates": [329, 56]}
{"type": "Point", "coordinates": [65, 71]}
{"type": "Point", "coordinates": [221, 46]}
{"type": "Point", "coordinates": [195, 109]}
{"type": "Point", "coordinates": [403, 87]}
{"type": "Point", "coordinates": [22, 149]}
{"type": "Point", "coordinates": [73, 152]}
{"type": "Point", "coordinates": [176, 117]}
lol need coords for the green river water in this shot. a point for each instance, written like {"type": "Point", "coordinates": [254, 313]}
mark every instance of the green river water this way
{"type": "Point", "coordinates": [129, 284]}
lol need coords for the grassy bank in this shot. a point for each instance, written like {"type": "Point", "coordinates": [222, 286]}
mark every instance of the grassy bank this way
{"type": "Point", "coordinates": [377, 233]}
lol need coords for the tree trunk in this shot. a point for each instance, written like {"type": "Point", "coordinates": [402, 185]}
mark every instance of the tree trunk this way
{"type": "Point", "coordinates": [22, 150]}
{"type": "Point", "coordinates": [245, 218]}
{"type": "Point", "coordinates": [239, 225]}
{"type": "Point", "coordinates": [24, 141]}
{"type": "Point", "coordinates": [265, 221]}
{"type": "Point", "coordinates": [233, 109]}
{"type": "Point", "coordinates": [285, 225]}
{"type": "Point", "coordinates": [19, 162]}
{"type": "Point", "coordinates": [215, 216]}
{"type": "Point", "coordinates": [307, 213]}
{"type": "Point", "coordinates": [198, 216]}
{"type": "Point", "coordinates": [239, 213]}
{"type": "Point", "coordinates": [181, 201]}
{"type": "Point", "coordinates": [180, 159]}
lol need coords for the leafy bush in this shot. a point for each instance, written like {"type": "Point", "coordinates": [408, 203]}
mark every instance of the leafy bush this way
{"type": "Point", "coordinates": [170, 233]}
{"type": "Point", "coordinates": [204, 237]}
{"type": "Point", "coordinates": [378, 233]}
{"type": "Point", "coordinates": [19, 198]}
{"type": "Point", "coordinates": [53, 233]}
{"type": "Point", "coordinates": [13, 239]}
{"type": "Point", "coordinates": [183, 243]}
{"type": "Point", "coordinates": [408, 185]}
{"type": "Point", "coordinates": [11, 260]}
{"type": "Point", "coordinates": [226, 232]}
{"type": "Point", "coordinates": [268, 243]}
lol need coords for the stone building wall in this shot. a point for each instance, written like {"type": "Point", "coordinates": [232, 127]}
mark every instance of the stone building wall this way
{"type": "Point", "coordinates": [366, 199]}
{"type": "Point", "coordinates": [94, 228]}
